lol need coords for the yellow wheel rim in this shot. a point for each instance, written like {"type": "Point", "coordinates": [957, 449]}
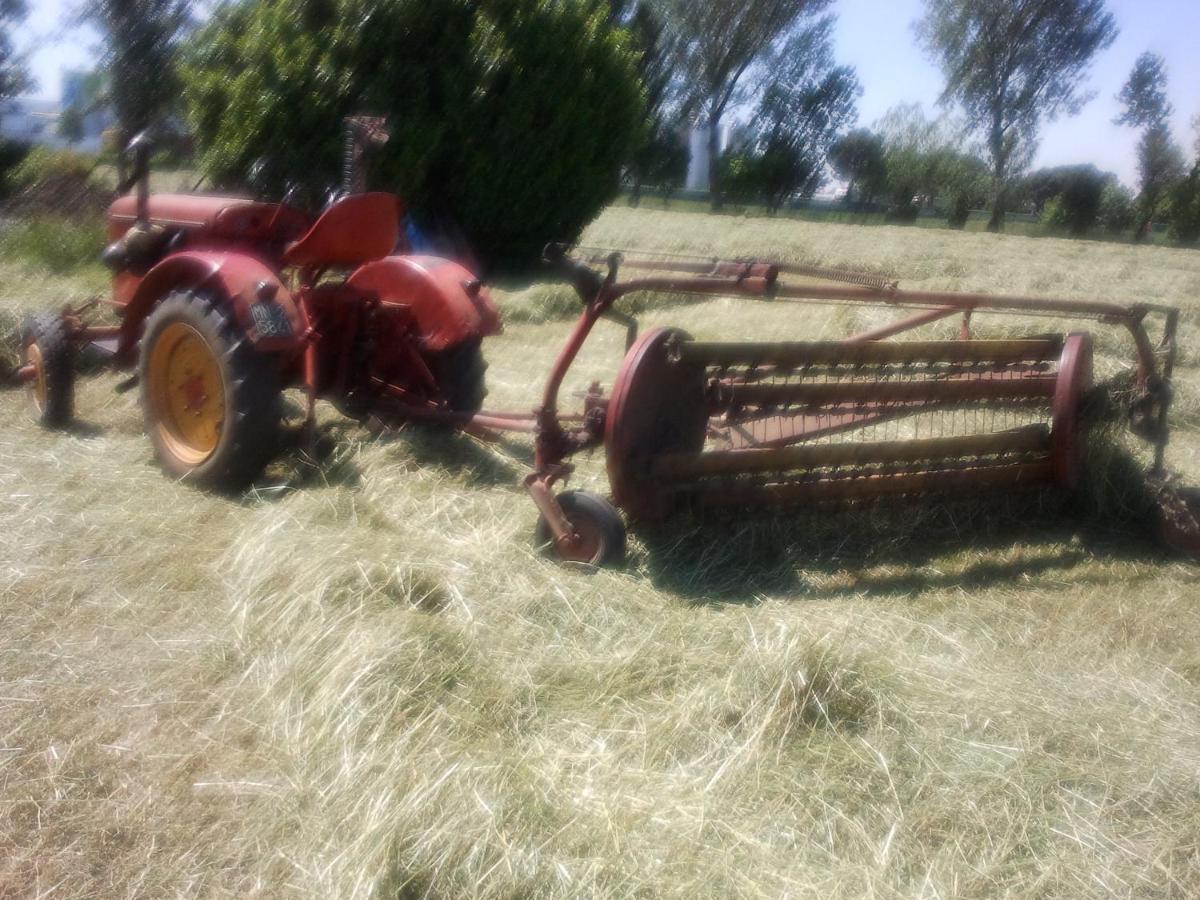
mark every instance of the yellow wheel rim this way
{"type": "Point", "coordinates": [37, 387]}
{"type": "Point", "coordinates": [187, 393]}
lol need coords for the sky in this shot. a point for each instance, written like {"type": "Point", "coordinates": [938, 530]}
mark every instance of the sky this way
{"type": "Point", "coordinates": [876, 37]}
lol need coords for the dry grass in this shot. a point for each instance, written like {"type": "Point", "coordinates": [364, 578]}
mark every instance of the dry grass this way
{"type": "Point", "coordinates": [363, 681]}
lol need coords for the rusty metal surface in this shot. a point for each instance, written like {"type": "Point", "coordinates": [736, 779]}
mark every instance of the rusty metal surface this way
{"type": "Point", "coordinates": [1067, 436]}
{"type": "Point", "coordinates": [801, 353]}
{"type": "Point", "coordinates": [809, 421]}
{"type": "Point", "coordinates": [657, 407]}
{"type": "Point", "coordinates": [866, 487]}
{"type": "Point", "coordinates": [1028, 386]}
{"type": "Point", "coordinates": [1032, 440]}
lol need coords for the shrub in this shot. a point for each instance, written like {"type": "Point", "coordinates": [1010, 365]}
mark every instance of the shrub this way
{"type": "Point", "coordinates": [1184, 213]}
{"type": "Point", "coordinates": [44, 164]}
{"type": "Point", "coordinates": [1071, 196]}
{"type": "Point", "coordinates": [511, 117]}
{"type": "Point", "coordinates": [1116, 208]}
{"type": "Point", "coordinates": [11, 155]}
{"type": "Point", "coordinates": [55, 243]}
{"type": "Point", "coordinates": [56, 181]}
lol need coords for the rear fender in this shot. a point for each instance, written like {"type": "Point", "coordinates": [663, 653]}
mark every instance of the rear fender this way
{"type": "Point", "coordinates": [446, 301]}
{"type": "Point", "coordinates": [232, 280]}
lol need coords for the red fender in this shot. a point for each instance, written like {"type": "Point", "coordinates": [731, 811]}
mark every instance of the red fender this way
{"type": "Point", "coordinates": [233, 279]}
{"type": "Point", "coordinates": [447, 302]}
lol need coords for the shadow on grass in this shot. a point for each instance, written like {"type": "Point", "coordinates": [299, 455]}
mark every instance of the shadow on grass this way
{"type": "Point", "coordinates": [332, 460]}
{"type": "Point", "coordinates": [83, 429]}
{"type": "Point", "coordinates": [477, 463]}
{"type": "Point", "coordinates": [887, 549]}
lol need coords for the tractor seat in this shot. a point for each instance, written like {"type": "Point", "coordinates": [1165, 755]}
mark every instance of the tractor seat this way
{"type": "Point", "coordinates": [354, 230]}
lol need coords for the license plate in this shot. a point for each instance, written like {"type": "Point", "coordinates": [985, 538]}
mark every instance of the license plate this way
{"type": "Point", "coordinates": [270, 321]}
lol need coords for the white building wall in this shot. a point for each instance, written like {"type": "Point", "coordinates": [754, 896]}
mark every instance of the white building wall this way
{"type": "Point", "coordinates": [697, 174]}
{"type": "Point", "coordinates": [36, 122]}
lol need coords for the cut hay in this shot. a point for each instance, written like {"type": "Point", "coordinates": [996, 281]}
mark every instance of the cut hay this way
{"type": "Point", "coordinates": [360, 679]}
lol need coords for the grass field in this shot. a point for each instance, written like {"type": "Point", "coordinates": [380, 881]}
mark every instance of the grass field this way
{"type": "Point", "coordinates": [365, 682]}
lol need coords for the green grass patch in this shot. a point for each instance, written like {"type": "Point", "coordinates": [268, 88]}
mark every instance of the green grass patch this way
{"type": "Point", "coordinates": [55, 244]}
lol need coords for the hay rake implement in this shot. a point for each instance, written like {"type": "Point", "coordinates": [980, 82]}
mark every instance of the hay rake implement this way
{"type": "Point", "coordinates": [696, 424]}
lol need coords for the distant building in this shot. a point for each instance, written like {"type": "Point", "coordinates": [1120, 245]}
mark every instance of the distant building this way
{"type": "Point", "coordinates": [730, 138]}
{"type": "Point", "coordinates": [697, 173]}
{"type": "Point", "coordinates": [36, 121]}
{"type": "Point", "coordinates": [30, 120]}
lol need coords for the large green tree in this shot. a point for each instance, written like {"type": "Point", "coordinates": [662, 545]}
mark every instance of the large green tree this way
{"type": "Point", "coordinates": [660, 155]}
{"type": "Point", "coordinates": [857, 158]}
{"type": "Point", "coordinates": [1010, 64]}
{"type": "Point", "coordinates": [510, 119]}
{"type": "Point", "coordinates": [807, 101]}
{"type": "Point", "coordinates": [718, 44]}
{"type": "Point", "coordinates": [140, 39]}
{"type": "Point", "coordinates": [1144, 105]}
{"type": "Point", "coordinates": [1185, 200]}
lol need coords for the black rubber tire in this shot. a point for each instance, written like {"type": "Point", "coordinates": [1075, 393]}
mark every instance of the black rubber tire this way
{"type": "Point", "coordinates": [596, 514]}
{"type": "Point", "coordinates": [49, 333]}
{"type": "Point", "coordinates": [460, 372]}
{"type": "Point", "coordinates": [250, 432]}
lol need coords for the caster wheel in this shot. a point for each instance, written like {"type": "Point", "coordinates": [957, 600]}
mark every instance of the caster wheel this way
{"type": "Point", "coordinates": [599, 526]}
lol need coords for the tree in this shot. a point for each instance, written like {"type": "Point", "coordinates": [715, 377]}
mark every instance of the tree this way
{"type": "Point", "coordinates": [857, 158]}
{"type": "Point", "coordinates": [1116, 207]}
{"type": "Point", "coordinates": [1144, 94]}
{"type": "Point", "coordinates": [659, 161]}
{"type": "Point", "coordinates": [1010, 64]}
{"type": "Point", "coordinates": [660, 156]}
{"type": "Point", "coordinates": [70, 125]}
{"type": "Point", "coordinates": [718, 42]}
{"type": "Point", "coordinates": [1185, 201]}
{"type": "Point", "coordinates": [1069, 197]}
{"type": "Point", "coordinates": [1185, 208]}
{"type": "Point", "coordinates": [962, 180]}
{"type": "Point", "coordinates": [510, 119]}
{"type": "Point", "coordinates": [805, 104]}
{"type": "Point", "coordinates": [13, 76]}
{"type": "Point", "coordinates": [913, 148]}
{"type": "Point", "coordinates": [1160, 161]}
{"type": "Point", "coordinates": [140, 38]}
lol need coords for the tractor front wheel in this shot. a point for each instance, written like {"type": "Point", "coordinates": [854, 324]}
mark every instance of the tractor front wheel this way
{"type": "Point", "coordinates": [211, 403]}
{"type": "Point", "coordinates": [46, 348]}
{"type": "Point", "coordinates": [598, 525]}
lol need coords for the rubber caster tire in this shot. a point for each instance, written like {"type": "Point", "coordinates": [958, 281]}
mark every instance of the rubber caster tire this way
{"type": "Point", "coordinates": [47, 347]}
{"type": "Point", "coordinates": [598, 524]}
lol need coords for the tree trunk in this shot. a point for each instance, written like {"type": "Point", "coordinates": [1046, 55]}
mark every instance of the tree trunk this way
{"type": "Point", "coordinates": [635, 195]}
{"type": "Point", "coordinates": [999, 164]}
{"type": "Point", "coordinates": [1149, 203]}
{"type": "Point", "coordinates": [1143, 230]}
{"type": "Point", "coordinates": [121, 138]}
{"type": "Point", "coordinates": [996, 222]}
{"type": "Point", "coordinates": [714, 162]}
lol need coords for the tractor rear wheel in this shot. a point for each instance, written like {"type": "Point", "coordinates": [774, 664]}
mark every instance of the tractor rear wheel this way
{"type": "Point", "coordinates": [212, 404]}
{"type": "Point", "coordinates": [599, 526]}
{"type": "Point", "coordinates": [46, 346]}
{"type": "Point", "coordinates": [459, 373]}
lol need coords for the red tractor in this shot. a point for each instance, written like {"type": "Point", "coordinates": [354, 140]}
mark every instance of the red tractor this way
{"type": "Point", "coordinates": [226, 301]}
